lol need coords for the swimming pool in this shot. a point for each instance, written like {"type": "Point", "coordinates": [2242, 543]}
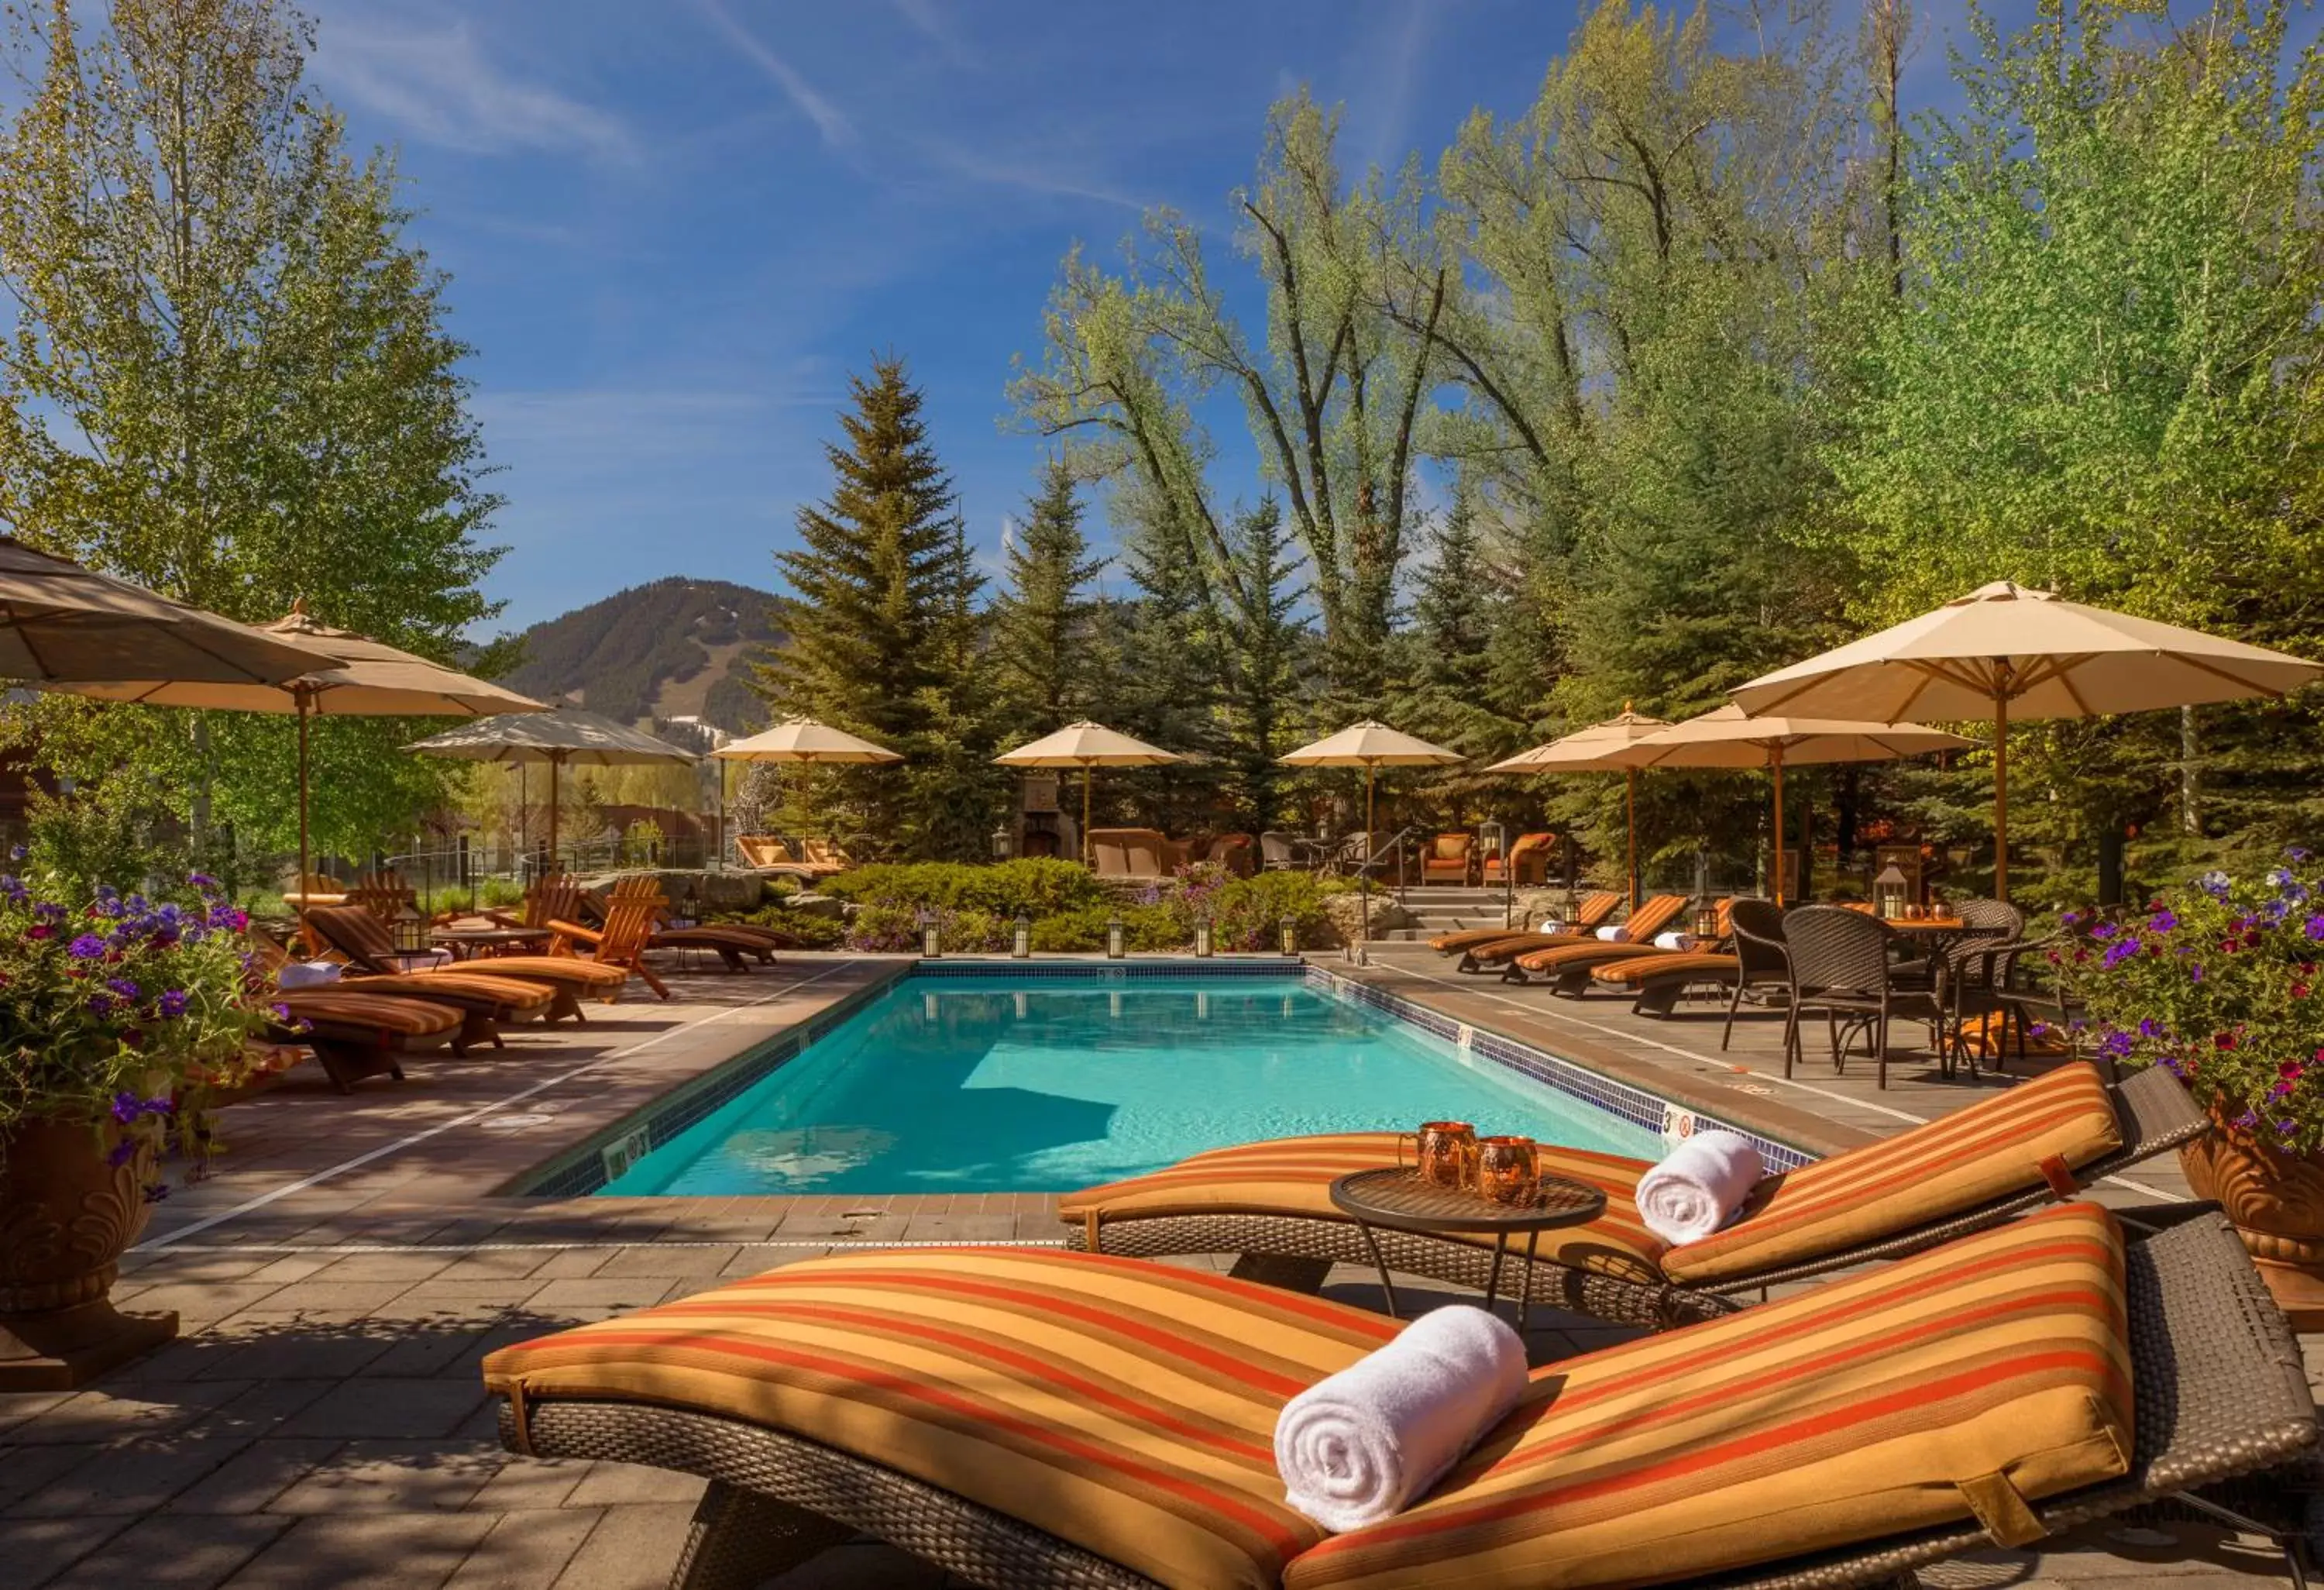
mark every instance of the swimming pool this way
{"type": "Point", "coordinates": [994, 1084]}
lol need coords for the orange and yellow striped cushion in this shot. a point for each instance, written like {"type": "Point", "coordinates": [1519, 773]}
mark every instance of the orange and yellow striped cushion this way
{"type": "Point", "coordinates": [1643, 968]}
{"type": "Point", "coordinates": [1961, 1383]}
{"type": "Point", "coordinates": [1292, 1176]}
{"type": "Point", "coordinates": [375, 1014]}
{"type": "Point", "coordinates": [1127, 1407]}
{"type": "Point", "coordinates": [547, 969]}
{"type": "Point", "coordinates": [1951, 1165]}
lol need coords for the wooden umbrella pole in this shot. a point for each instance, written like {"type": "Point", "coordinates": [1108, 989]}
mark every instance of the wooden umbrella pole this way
{"type": "Point", "coordinates": [1371, 769]}
{"type": "Point", "coordinates": [2001, 794]}
{"type": "Point", "coordinates": [300, 698]}
{"type": "Point", "coordinates": [1089, 771]}
{"type": "Point", "coordinates": [1778, 765]}
{"type": "Point", "coordinates": [1630, 854]}
{"type": "Point", "coordinates": [555, 762]}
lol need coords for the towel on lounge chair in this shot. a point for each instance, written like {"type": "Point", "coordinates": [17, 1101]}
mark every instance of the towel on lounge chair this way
{"type": "Point", "coordinates": [296, 975]}
{"type": "Point", "coordinates": [1357, 1446]}
{"type": "Point", "coordinates": [1699, 1185]}
{"type": "Point", "coordinates": [1675, 941]}
{"type": "Point", "coordinates": [1615, 935]}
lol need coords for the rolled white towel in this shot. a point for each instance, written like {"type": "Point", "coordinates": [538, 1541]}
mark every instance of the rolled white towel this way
{"type": "Point", "coordinates": [1359, 1445]}
{"type": "Point", "coordinates": [1550, 925]}
{"type": "Point", "coordinates": [1674, 940]}
{"type": "Point", "coordinates": [1699, 1185]}
{"type": "Point", "coordinates": [306, 974]}
{"type": "Point", "coordinates": [1615, 935]}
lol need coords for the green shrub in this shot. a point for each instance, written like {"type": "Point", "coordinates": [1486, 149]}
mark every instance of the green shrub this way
{"type": "Point", "coordinates": [1146, 929]}
{"type": "Point", "coordinates": [1248, 913]}
{"type": "Point", "coordinates": [805, 930]}
{"type": "Point", "coordinates": [1036, 888]}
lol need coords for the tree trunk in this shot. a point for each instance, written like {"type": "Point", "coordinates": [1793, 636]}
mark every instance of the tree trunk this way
{"type": "Point", "coordinates": [2191, 805]}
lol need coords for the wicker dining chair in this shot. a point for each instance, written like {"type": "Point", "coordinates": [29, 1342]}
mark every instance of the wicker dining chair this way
{"type": "Point", "coordinates": [1840, 966]}
{"type": "Point", "coordinates": [1761, 960]}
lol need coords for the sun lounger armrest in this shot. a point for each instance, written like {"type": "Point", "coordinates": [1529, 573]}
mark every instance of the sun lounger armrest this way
{"type": "Point", "coordinates": [575, 931]}
{"type": "Point", "coordinates": [2157, 1113]}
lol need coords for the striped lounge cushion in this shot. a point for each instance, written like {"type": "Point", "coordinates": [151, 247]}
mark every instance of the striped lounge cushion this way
{"type": "Point", "coordinates": [1292, 1176]}
{"type": "Point", "coordinates": [1959, 1384]}
{"type": "Point", "coordinates": [1994, 1148]}
{"type": "Point", "coordinates": [379, 1014]}
{"type": "Point", "coordinates": [548, 969]}
{"type": "Point", "coordinates": [1639, 969]}
{"type": "Point", "coordinates": [1127, 1407]}
{"type": "Point", "coordinates": [510, 993]}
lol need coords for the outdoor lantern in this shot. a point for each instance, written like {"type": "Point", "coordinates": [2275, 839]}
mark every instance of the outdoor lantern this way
{"type": "Point", "coordinates": [931, 940]}
{"type": "Point", "coordinates": [1491, 836]}
{"type": "Point", "coordinates": [1117, 940]}
{"type": "Point", "coordinates": [410, 931]}
{"type": "Point", "coordinates": [1706, 922]}
{"type": "Point", "coordinates": [1201, 941]}
{"type": "Point", "coordinates": [1290, 937]}
{"type": "Point", "coordinates": [1888, 893]}
{"type": "Point", "coordinates": [689, 905]}
{"type": "Point", "coordinates": [1020, 936]}
{"type": "Point", "coordinates": [1004, 843]}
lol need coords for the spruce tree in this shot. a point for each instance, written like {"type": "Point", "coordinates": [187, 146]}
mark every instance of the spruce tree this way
{"type": "Point", "coordinates": [1171, 662]}
{"type": "Point", "coordinates": [1260, 706]}
{"type": "Point", "coordinates": [1463, 613]}
{"type": "Point", "coordinates": [872, 628]}
{"type": "Point", "coordinates": [1043, 645]}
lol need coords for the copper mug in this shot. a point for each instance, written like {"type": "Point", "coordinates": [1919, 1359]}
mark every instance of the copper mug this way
{"type": "Point", "coordinates": [1508, 1172]}
{"type": "Point", "coordinates": [1447, 1154]}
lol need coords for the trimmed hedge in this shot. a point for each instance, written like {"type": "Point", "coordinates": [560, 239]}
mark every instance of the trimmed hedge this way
{"type": "Point", "coordinates": [1034, 887]}
{"type": "Point", "coordinates": [976, 907]}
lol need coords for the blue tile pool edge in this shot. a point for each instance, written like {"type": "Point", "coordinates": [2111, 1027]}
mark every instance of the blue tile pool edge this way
{"type": "Point", "coordinates": [586, 1167]}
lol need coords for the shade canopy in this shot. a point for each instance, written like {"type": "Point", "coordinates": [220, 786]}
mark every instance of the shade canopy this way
{"type": "Point", "coordinates": [1087, 745]}
{"type": "Point", "coordinates": [369, 679]}
{"type": "Point", "coordinates": [60, 623]}
{"type": "Point", "coordinates": [2047, 657]}
{"type": "Point", "coordinates": [804, 740]}
{"type": "Point", "coordinates": [1593, 749]}
{"type": "Point", "coordinates": [1725, 737]}
{"type": "Point", "coordinates": [1371, 744]}
{"type": "Point", "coordinates": [565, 737]}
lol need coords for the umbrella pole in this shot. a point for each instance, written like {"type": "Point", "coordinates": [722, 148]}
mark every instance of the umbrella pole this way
{"type": "Point", "coordinates": [301, 696]}
{"type": "Point", "coordinates": [1778, 765]}
{"type": "Point", "coordinates": [2000, 796]}
{"type": "Point", "coordinates": [555, 761]}
{"type": "Point", "coordinates": [1630, 854]}
{"type": "Point", "coordinates": [1088, 771]}
{"type": "Point", "coordinates": [1371, 769]}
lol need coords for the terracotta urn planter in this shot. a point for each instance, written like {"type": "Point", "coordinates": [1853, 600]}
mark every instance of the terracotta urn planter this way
{"type": "Point", "coordinates": [65, 1217]}
{"type": "Point", "coordinates": [2276, 1201]}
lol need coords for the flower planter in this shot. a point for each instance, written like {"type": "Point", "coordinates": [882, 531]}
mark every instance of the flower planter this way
{"type": "Point", "coordinates": [2276, 1201]}
{"type": "Point", "coordinates": [65, 1217]}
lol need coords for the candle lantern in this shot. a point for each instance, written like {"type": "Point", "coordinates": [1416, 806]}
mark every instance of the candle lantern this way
{"type": "Point", "coordinates": [1201, 941]}
{"type": "Point", "coordinates": [1706, 921]}
{"type": "Point", "coordinates": [1004, 843]}
{"type": "Point", "coordinates": [1288, 937]}
{"type": "Point", "coordinates": [1020, 936]}
{"type": "Point", "coordinates": [931, 939]}
{"type": "Point", "coordinates": [1117, 940]}
{"type": "Point", "coordinates": [1888, 893]}
{"type": "Point", "coordinates": [409, 930]}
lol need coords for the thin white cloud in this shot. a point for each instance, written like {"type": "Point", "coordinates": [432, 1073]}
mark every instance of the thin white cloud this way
{"type": "Point", "coordinates": [1030, 176]}
{"type": "Point", "coordinates": [439, 85]}
{"type": "Point", "coordinates": [933, 21]}
{"type": "Point", "coordinates": [829, 120]}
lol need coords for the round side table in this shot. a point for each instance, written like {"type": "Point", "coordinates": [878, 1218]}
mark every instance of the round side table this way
{"type": "Point", "coordinates": [1396, 1198]}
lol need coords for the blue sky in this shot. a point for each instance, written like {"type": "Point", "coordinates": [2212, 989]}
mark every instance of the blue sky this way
{"type": "Point", "coordinates": [674, 228]}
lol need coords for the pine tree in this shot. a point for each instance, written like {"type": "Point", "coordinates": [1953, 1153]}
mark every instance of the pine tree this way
{"type": "Point", "coordinates": [874, 626]}
{"type": "Point", "coordinates": [1171, 661]}
{"type": "Point", "coordinates": [1043, 645]}
{"type": "Point", "coordinates": [1260, 706]}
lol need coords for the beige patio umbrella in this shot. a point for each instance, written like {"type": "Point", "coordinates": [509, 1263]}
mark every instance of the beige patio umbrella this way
{"type": "Point", "coordinates": [805, 740]}
{"type": "Point", "coordinates": [369, 679]}
{"type": "Point", "coordinates": [62, 624]}
{"type": "Point", "coordinates": [1724, 737]}
{"type": "Point", "coordinates": [1592, 750]}
{"type": "Point", "coordinates": [1371, 746]}
{"type": "Point", "coordinates": [2006, 651]}
{"type": "Point", "coordinates": [561, 736]}
{"type": "Point", "coordinates": [1087, 745]}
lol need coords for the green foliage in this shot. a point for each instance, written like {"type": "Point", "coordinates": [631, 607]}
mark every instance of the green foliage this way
{"type": "Point", "coordinates": [622, 652]}
{"type": "Point", "coordinates": [806, 930]}
{"type": "Point", "coordinates": [1043, 642]}
{"type": "Point", "coordinates": [1035, 886]}
{"type": "Point", "coordinates": [2218, 984]}
{"type": "Point", "coordinates": [1146, 929]}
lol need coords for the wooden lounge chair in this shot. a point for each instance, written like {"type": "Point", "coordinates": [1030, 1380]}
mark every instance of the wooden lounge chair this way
{"type": "Point", "coordinates": [826, 858]}
{"type": "Point", "coordinates": [1035, 1418]}
{"type": "Point", "coordinates": [1527, 861]}
{"type": "Point", "coordinates": [1518, 960]}
{"type": "Point", "coordinates": [357, 1034]}
{"type": "Point", "coordinates": [363, 940]}
{"type": "Point", "coordinates": [1570, 970]}
{"type": "Point", "coordinates": [486, 1002]}
{"type": "Point", "coordinates": [623, 941]}
{"type": "Point", "coordinates": [1447, 859]}
{"type": "Point", "coordinates": [1588, 916]}
{"type": "Point", "coordinates": [313, 889]}
{"type": "Point", "coordinates": [1983, 1163]}
{"type": "Point", "coordinates": [734, 944]}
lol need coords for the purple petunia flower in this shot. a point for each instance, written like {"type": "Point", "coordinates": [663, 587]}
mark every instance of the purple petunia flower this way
{"type": "Point", "coordinates": [202, 881]}
{"type": "Point", "coordinates": [87, 947]}
{"type": "Point", "coordinates": [2119, 953]}
{"type": "Point", "coordinates": [2164, 920]}
{"type": "Point", "coordinates": [2294, 853]}
{"type": "Point", "coordinates": [127, 1107]}
{"type": "Point", "coordinates": [2148, 1027]}
{"type": "Point", "coordinates": [174, 1003]}
{"type": "Point", "coordinates": [2103, 930]}
{"type": "Point", "coordinates": [2195, 972]}
{"type": "Point", "coordinates": [100, 1004]}
{"type": "Point", "coordinates": [2115, 1045]}
{"type": "Point", "coordinates": [2213, 883]}
{"type": "Point", "coordinates": [2314, 928]}
{"type": "Point", "coordinates": [124, 988]}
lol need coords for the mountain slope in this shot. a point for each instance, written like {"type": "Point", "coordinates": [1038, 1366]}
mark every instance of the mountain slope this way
{"type": "Point", "coordinates": [677, 647]}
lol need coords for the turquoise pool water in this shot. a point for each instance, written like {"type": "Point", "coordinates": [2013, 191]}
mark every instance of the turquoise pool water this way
{"type": "Point", "coordinates": [1035, 1085]}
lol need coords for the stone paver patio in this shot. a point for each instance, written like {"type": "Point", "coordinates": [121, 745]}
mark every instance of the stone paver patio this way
{"type": "Point", "coordinates": [321, 1422]}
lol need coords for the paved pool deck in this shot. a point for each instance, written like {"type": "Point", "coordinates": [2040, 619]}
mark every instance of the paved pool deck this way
{"type": "Point", "coordinates": [320, 1421]}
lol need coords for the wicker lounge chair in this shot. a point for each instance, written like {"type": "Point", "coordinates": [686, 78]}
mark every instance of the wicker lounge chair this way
{"type": "Point", "coordinates": [357, 1034]}
{"type": "Point", "coordinates": [1535, 952]}
{"type": "Point", "coordinates": [356, 934]}
{"type": "Point", "coordinates": [1593, 910]}
{"type": "Point", "coordinates": [1756, 961]}
{"type": "Point", "coordinates": [1571, 970]}
{"type": "Point", "coordinates": [2014, 1151]}
{"type": "Point", "coordinates": [1528, 860]}
{"type": "Point", "coordinates": [1447, 859]}
{"type": "Point", "coordinates": [1031, 1419]}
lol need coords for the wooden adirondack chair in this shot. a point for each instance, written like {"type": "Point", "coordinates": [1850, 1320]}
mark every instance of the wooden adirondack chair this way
{"type": "Point", "coordinates": [551, 898]}
{"type": "Point", "coordinates": [383, 894]}
{"type": "Point", "coordinates": [630, 908]}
